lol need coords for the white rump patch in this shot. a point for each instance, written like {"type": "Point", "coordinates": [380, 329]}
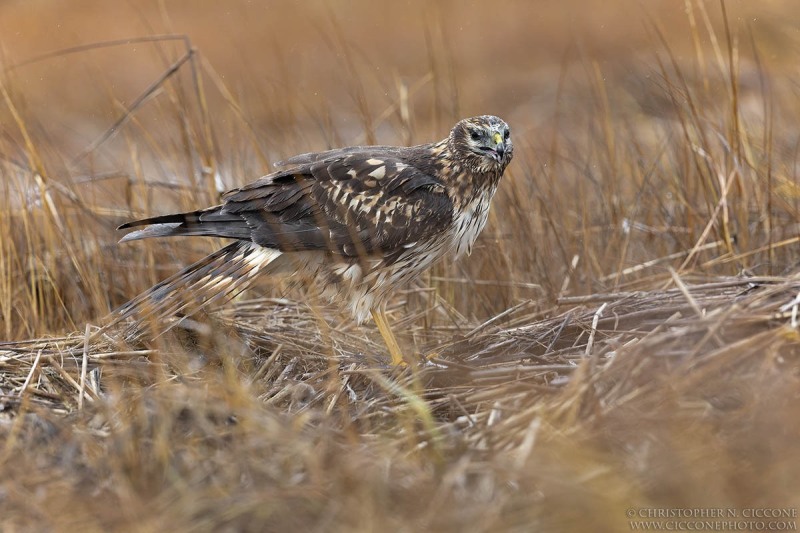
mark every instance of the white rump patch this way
{"type": "Point", "coordinates": [260, 257]}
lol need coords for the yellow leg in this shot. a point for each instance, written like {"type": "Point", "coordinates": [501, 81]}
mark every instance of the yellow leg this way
{"type": "Point", "coordinates": [388, 337]}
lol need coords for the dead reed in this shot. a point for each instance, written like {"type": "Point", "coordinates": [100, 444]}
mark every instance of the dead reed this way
{"type": "Point", "coordinates": [624, 337]}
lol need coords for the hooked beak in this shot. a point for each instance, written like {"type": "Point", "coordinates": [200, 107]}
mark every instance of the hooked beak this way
{"type": "Point", "coordinates": [500, 146]}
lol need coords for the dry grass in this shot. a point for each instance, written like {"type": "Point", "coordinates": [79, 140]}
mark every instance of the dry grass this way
{"type": "Point", "coordinates": [625, 335]}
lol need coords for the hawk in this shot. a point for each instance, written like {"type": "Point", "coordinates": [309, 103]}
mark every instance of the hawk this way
{"type": "Point", "coordinates": [357, 222]}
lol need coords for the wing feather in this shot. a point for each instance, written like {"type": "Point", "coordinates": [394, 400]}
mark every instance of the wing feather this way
{"type": "Point", "coordinates": [388, 212]}
{"type": "Point", "coordinates": [348, 202]}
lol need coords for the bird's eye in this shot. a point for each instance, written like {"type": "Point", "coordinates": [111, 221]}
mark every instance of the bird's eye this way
{"type": "Point", "coordinates": [474, 135]}
{"type": "Point", "coordinates": [506, 134]}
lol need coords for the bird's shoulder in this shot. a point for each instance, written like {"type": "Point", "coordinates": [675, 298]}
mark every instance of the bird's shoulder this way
{"type": "Point", "coordinates": [338, 153]}
{"type": "Point", "coordinates": [352, 201]}
{"type": "Point", "coordinates": [338, 176]}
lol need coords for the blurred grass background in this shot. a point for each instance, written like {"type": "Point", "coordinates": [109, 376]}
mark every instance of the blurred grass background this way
{"type": "Point", "coordinates": [651, 138]}
{"type": "Point", "coordinates": [630, 122]}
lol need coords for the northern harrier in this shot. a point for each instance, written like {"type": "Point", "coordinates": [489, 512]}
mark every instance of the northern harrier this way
{"type": "Point", "coordinates": [356, 221]}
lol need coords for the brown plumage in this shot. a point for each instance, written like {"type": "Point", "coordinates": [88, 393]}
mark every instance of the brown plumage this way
{"type": "Point", "coordinates": [356, 221]}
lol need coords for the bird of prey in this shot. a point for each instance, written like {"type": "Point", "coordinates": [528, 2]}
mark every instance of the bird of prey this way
{"type": "Point", "coordinates": [357, 222]}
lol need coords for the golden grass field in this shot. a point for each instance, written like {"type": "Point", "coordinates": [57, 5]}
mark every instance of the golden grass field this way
{"type": "Point", "coordinates": [622, 342]}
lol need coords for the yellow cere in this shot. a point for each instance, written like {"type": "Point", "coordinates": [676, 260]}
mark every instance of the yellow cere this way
{"type": "Point", "coordinates": [497, 138]}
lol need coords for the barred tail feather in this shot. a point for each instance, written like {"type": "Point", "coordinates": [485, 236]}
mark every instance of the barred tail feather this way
{"type": "Point", "coordinates": [213, 279]}
{"type": "Point", "coordinates": [211, 222]}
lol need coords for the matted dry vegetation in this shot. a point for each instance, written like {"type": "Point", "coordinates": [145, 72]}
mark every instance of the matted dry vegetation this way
{"type": "Point", "coordinates": [625, 335]}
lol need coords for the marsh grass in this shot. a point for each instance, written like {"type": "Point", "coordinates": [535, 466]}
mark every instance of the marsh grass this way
{"type": "Point", "coordinates": [623, 336]}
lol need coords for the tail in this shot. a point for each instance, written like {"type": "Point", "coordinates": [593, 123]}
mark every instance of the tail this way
{"type": "Point", "coordinates": [211, 222]}
{"type": "Point", "coordinates": [214, 279]}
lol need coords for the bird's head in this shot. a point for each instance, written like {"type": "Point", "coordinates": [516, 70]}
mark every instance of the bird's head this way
{"type": "Point", "coordinates": [483, 143]}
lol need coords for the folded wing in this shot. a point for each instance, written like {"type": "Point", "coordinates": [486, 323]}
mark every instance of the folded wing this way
{"type": "Point", "coordinates": [353, 202]}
